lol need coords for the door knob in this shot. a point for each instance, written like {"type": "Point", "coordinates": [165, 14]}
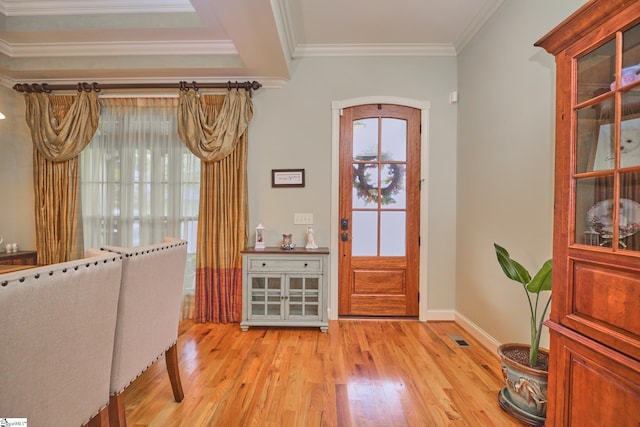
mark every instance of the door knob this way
{"type": "Point", "coordinates": [344, 237]}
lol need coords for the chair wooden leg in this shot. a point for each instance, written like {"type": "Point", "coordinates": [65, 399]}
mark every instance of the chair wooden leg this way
{"type": "Point", "coordinates": [100, 420]}
{"type": "Point", "coordinates": [171, 357]}
{"type": "Point", "coordinates": [116, 411]}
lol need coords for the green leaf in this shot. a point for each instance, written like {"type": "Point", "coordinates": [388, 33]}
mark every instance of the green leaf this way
{"type": "Point", "coordinates": [512, 269]}
{"type": "Point", "coordinates": [542, 280]}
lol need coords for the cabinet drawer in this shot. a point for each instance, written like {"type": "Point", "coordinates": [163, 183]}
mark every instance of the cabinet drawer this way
{"type": "Point", "coordinates": [284, 265]}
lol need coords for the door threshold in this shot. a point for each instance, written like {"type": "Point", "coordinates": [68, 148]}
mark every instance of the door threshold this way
{"type": "Point", "coordinates": [360, 317]}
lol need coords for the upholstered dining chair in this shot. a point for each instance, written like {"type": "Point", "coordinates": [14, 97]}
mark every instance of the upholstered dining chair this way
{"type": "Point", "coordinates": [148, 316]}
{"type": "Point", "coordinates": [58, 325]}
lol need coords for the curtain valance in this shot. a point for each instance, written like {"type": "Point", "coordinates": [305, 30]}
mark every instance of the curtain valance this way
{"type": "Point", "coordinates": [209, 137]}
{"type": "Point", "coordinates": [61, 140]}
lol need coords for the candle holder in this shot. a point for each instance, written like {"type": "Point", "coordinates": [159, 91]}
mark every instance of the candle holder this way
{"type": "Point", "coordinates": [287, 244]}
{"type": "Point", "coordinates": [259, 237]}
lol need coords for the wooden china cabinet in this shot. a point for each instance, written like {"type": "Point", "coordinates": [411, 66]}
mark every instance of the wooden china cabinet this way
{"type": "Point", "coordinates": [594, 374]}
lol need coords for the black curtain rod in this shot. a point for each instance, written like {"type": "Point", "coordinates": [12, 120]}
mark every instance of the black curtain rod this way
{"type": "Point", "coordinates": [97, 87]}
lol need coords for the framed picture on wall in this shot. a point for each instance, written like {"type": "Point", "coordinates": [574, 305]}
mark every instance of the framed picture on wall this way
{"type": "Point", "coordinates": [287, 177]}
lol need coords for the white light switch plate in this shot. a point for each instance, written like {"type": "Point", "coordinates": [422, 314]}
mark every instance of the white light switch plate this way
{"type": "Point", "coordinates": [302, 218]}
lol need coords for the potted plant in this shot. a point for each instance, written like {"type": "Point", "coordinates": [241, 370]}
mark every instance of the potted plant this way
{"type": "Point", "coordinates": [525, 367]}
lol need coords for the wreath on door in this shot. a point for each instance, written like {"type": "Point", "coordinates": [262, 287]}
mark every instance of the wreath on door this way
{"type": "Point", "coordinates": [391, 185]}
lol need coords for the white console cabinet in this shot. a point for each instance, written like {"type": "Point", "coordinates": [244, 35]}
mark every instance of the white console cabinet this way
{"type": "Point", "coordinates": [285, 288]}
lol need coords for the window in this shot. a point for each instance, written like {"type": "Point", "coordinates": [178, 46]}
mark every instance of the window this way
{"type": "Point", "coordinates": [139, 182]}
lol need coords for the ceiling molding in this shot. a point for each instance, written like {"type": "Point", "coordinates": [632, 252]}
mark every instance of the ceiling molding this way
{"type": "Point", "coordinates": [183, 47]}
{"type": "Point", "coordinates": [365, 49]}
{"type": "Point", "coordinates": [5, 48]}
{"type": "Point", "coordinates": [483, 16]}
{"type": "Point", "coordinates": [94, 7]}
{"type": "Point", "coordinates": [284, 17]}
{"type": "Point", "coordinates": [263, 42]}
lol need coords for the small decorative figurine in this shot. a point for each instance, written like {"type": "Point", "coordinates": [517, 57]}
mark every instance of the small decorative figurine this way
{"type": "Point", "coordinates": [259, 237]}
{"type": "Point", "coordinates": [311, 244]}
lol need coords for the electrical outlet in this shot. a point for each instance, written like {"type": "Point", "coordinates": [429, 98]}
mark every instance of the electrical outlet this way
{"type": "Point", "coordinates": [303, 218]}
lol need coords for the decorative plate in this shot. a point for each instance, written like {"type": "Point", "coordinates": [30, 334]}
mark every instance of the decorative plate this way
{"type": "Point", "coordinates": [600, 221]}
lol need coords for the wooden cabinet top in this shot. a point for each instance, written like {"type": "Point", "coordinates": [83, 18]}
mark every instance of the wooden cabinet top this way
{"type": "Point", "coordinates": [19, 254]}
{"type": "Point", "coordinates": [581, 23]}
{"type": "Point", "coordinates": [294, 251]}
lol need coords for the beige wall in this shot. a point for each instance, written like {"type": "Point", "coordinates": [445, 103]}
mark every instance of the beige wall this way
{"type": "Point", "coordinates": [505, 162]}
{"type": "Point", "coordinates": [16, 177]}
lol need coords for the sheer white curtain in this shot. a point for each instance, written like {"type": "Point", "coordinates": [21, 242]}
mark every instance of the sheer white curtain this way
{"type": "Point", "coordinates": [139, 182]}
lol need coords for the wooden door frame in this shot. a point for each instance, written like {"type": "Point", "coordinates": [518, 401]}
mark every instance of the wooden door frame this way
{"type": "Point", "coordinates": [336, 106]}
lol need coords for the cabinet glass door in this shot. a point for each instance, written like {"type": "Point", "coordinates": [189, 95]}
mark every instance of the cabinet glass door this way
{"type": "Point", "coordinates": [607, 138]}
{"type": "Point", "coordinates": [265, 296]}
{"type": "Point", "coordinates": [304, 296]}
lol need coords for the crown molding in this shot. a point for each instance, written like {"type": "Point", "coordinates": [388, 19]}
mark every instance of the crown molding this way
{"type": "Point", "coordinates": [94, 7]}
{"type": "Point", "coordinates": [182, 47]}
{"type": "Point", "coordinates": [365, 49]}
{"type": "Point", "coordinates": [483, 16]}
{"type": "Point", "coordinates": [286, 19]}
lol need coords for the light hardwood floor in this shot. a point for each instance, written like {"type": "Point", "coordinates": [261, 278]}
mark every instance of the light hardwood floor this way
{"type": "Point", "coordinates": [359, 373]}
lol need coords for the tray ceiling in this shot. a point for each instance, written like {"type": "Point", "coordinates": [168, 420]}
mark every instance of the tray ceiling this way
{"type": "Point", "coordinates": [219, 40]}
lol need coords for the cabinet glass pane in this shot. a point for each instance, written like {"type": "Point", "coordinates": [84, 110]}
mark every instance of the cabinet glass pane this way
{"type": "Point", "coordinates": [295, 310]}
{"type": "Point", "coordinates": [311, 310]}
{"type": "Point", "coordinates": [257, 309]}
{"type": "Point", "coordinates": [596, 72]}
{"type": "Point", "coordinates": [394, 139]}
{"type": "Point", "coordinates": [257, 283]}
{"type": "Point", "coordinates": [311, 298]}
{"type": "Point", "coordinates": [274, 283]}
{"type": "Point", "coordinates": [274, 298]}
{"type": "Point", "coordinates": [595, 140]}
{"type": "Point", "coordinates": [630, 55]}
{"type": "Point", "coordinates": [593, 211]}
{"type": "Point", "coordinates": [630, 211]}
{"type": "Point", "coordinates": [258, 297]}
{"type": "Point", "coordinates": [295, 283]}
{"type": "Point", "coordinates": [365, 138]}
{"type": "Point", "coordinates": [630, 129]}
{"type": "Point", "coordinates": [274, 309]}
{"type": "Point", "coordinates": [365, 186]}
{"type": "Point", "coordinates": [364, 233]}
{"type": "Point", "coordinates": [312, 283]}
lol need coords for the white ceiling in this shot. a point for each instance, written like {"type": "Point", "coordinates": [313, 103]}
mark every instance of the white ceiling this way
{"type": "Point", "coordinates": [66, 41]}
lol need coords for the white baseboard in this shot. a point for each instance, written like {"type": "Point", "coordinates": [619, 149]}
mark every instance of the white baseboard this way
{"type": "Point", "coordinates": [441, 315]}
{"type": "Point", "coordinates": [478, 333]}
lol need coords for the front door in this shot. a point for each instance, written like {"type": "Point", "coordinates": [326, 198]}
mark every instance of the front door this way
{"type": "Point", "coordinates": [379, 211]}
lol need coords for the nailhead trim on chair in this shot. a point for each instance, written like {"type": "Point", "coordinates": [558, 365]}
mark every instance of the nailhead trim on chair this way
{"type": "Point", "coordinates": [63, 270]}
